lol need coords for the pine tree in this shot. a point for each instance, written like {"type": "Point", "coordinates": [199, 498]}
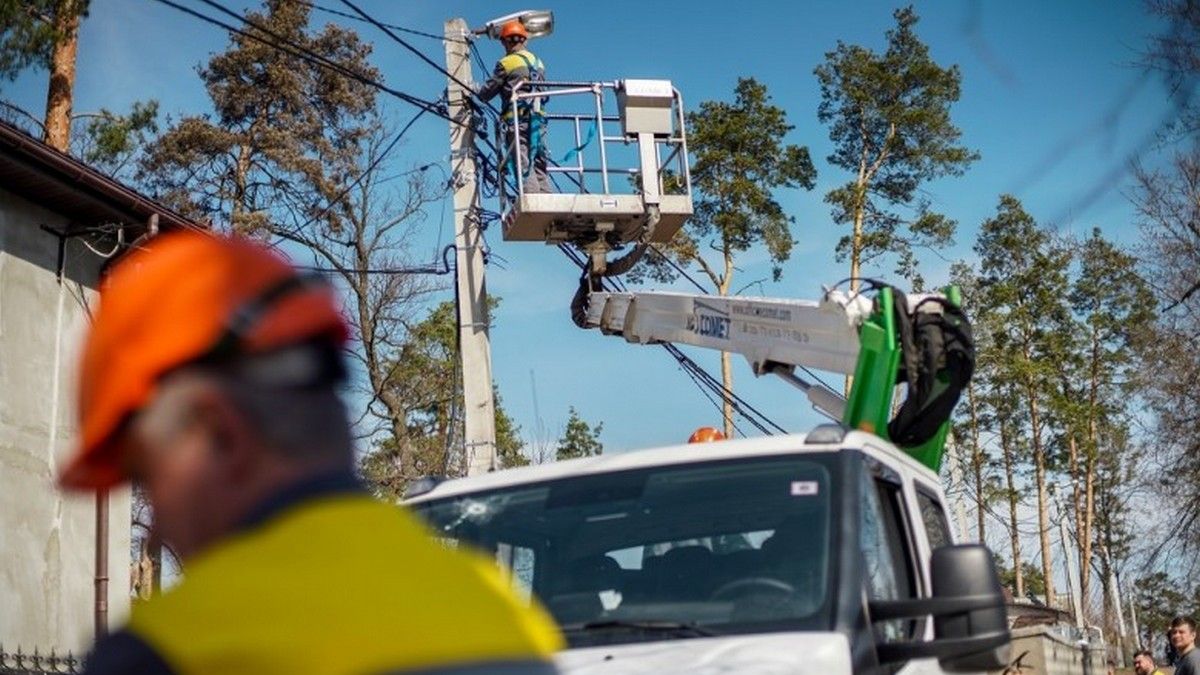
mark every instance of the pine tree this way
{"type": "Point", "coordinates": [1115, 308]}
{"type": "Point", "coordinates": [579, 439]}
{"type": "Point", "coordinates": [424, 389]}
{"type": "Point", "coordinates": [889, 120]}
{"type": "Point", "coordinates": [284, 138]}
{"type": "Point", "coordinates": [44, 33]}
{"type": "Point", "coordinates": [1024, 280]}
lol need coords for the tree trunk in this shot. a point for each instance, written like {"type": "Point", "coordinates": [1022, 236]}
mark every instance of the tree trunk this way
{"type": "Point", "coordinates": [860, 205]}
{"type": "Point", "coordinates": [1011, 488]}
{"type": "Point", "coordinates": [154, 547]}
{"type": "Point", "coordinates": [1039, 473]}
{"type": "Point", "coordinates": [856, 242]}
{"type": "Point", "coordinates": [1089, 491]}
{"type": "Point", "coordinates": [977, 461]}
{"type": "Point", "coordinates": [726, 362]}
{"type": "Point", "coordinates": [62, 75]}
{"type": "Point", "coordinates": [727, 396]}
{"type": "Point", "coordinates": [1077, 509]}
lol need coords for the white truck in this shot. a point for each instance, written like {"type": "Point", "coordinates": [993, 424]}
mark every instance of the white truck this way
{"type": "Point", "coordinates": [821, 553]}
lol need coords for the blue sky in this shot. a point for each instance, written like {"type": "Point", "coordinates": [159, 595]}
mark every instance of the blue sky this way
{"type": "Point", "coordinates": [1051, 99]}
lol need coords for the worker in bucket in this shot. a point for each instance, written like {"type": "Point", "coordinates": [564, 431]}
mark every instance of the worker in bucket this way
{"type": "Point", "coordinates": [519, 65]}
{"type": "Point", "coordinates": [209, 377]}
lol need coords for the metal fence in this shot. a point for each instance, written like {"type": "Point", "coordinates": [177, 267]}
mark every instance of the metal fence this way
{"type": "Point", "coordinates": [35, 663]}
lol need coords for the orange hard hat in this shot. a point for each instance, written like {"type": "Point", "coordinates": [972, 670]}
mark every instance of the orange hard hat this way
{"type": "Point", "coordinates": [706, 435]}
{"type": "Point", "coordinates": [181, 299]}
{"type": "Point", "coordinates": [511, 28]}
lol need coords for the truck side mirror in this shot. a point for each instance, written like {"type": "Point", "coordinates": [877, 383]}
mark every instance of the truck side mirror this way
{"type": "Point", "coordinates": [966, 571]}
{"type": "Point", "coordinates": [970, 626]}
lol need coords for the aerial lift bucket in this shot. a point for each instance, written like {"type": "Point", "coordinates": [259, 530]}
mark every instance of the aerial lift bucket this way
{"type": "Point", "coordinates": [625, 180]}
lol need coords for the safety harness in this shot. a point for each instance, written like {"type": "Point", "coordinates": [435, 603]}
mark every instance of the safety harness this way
{"type": "Point", "coordinates": [531, 109]}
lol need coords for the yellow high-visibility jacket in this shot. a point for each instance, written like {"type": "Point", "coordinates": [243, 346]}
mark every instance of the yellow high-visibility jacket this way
{"type": "Point", "coordinates": [336, 583]}
{"type": "Point", "coordinates": [511, 69]}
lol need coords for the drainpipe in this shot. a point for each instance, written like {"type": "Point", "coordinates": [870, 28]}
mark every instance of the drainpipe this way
{"type": "Point", "coordinates": [101, 610]}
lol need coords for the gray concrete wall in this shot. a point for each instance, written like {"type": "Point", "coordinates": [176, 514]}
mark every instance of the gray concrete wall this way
{"type": "Point", "coordinates": [47, 554]}
{"type": "Point", "coordinates": [1038, 651]}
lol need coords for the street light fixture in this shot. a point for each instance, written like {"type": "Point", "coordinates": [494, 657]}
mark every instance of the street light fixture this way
{"type": "Point", "coordinates": [539, 22]}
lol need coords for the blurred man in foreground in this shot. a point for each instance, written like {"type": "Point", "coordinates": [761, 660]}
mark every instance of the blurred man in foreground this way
{"type": "Point", "coordinates": [209, 376]}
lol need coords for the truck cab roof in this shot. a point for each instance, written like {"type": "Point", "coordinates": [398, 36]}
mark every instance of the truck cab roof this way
{"type": "Point", "coordinates": [766, 446]}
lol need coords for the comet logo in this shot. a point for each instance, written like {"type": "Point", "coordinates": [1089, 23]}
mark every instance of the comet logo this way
{"type": "Point", "coordinates": [710, 325]}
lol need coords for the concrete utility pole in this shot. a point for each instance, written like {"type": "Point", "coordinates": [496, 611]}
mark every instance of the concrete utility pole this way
{"type": "Point", "coordinates": [1137, 634]}
{"type": "Point", "coordinates": [479, 424]}
{"type": "Point", "coordinates": [1072, 578]}
{"type": "Point", "coordinates": [960, 510]}
{"type": "Point", "coordinates": [1114, 590]}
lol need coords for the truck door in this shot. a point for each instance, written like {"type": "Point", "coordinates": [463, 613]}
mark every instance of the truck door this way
{"type": "Point", "coordinates": [889, 572]}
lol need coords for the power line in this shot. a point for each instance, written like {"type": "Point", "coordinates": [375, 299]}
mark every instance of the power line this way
{"type": "Point", "coordinates": [347, 15]}
{"type": "Point", "coordinates": [704, 290]}
{"type": "Point", "coordinates": [370, 167]}
{"type": "Point", "coordinates": [702, 378]}
{"type": "Point", "coordinates": [306, 55]}
{"type": "Point", "coordinates": [432, 269]}
{"type": "Point", "coordinates": [705, 380]}
{"type": "Point", "coordinates": [427, 106]}
{"type": "Point", "coordinates": [678, 269]}
{"type": "Point", "coordinates": [711, 399]}
{"type": "Point", "coordinates": [419, 54]}
{"type": "Point", "coordinates": [478, 58]}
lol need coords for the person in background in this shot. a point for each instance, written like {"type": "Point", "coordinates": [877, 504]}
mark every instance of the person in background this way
{"type": "Point", "coordinates": [1143, 664]}
{"type": "Point", "coordinates": [210, 377]}
{"type": "Point", "coordinates": [1182, 636]}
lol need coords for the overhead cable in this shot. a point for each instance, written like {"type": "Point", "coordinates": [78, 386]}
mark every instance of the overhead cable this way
{"type": "Point", "coordinates": [306, 55]}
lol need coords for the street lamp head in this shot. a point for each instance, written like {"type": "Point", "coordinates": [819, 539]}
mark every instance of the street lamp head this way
{"type": "Point", "coordinates": [537, 22]}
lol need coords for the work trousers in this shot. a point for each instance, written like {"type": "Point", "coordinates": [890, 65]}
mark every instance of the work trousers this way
{"type": "Point", "coordinates": [534, 162]}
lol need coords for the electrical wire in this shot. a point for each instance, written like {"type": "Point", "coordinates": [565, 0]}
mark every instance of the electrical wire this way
{"type": "Point", "coordinates": [711, 399]}
{"type": "Point", "coordinates": [347, 15]}
{"type": "Point", "coordinates": [483, 68]}
{"type": "Point", "coordinates": [418, 53]}
{"type": "Point", "coordinates": [678, 269]}
{"type": "Point", "coordinates": [706, 380]}
{"type": "Point", "coordinates": [365, 172]}
{"type": "Point", "coordinates": [306, 55]}
{"type": "Point", "coordinates": [432, 269]}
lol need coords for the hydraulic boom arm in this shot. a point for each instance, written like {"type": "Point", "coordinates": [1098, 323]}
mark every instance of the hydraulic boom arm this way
{"type": "Point", "coordinates": [850, 335]}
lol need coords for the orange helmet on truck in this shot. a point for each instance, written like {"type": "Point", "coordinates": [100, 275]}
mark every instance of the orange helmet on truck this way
{"type": "Point", "coordinates": [706, 435]}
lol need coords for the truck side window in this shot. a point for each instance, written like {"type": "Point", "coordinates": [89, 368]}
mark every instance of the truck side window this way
{"type": "Point", "coordinates": [881, 537]}
{"type": "Point", "coordinates": [937, 529]}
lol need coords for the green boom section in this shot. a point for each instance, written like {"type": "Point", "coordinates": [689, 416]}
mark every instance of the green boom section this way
{"type": "Point", "coordinates": [869, 403]}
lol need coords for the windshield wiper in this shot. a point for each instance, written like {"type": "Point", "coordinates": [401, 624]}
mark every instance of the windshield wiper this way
{"type": "Point", "coordinates": [652, 626]}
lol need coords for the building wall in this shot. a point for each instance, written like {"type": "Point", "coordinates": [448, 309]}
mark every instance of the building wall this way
{"type": "Point", "coordinates": [47, 540]}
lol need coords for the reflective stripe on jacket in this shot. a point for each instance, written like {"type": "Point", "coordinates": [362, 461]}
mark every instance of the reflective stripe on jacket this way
{"type": "Point", "coordinates": [511, 69]}
{"type": "Point", "coordinates": [344, 584]}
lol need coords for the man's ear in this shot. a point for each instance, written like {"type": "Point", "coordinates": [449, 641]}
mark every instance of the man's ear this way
{"type": "Point", "coordinates": [230, 436]}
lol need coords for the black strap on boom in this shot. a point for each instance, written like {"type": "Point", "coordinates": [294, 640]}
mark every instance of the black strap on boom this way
{"type": "Point", "coordinates": [938, 359]}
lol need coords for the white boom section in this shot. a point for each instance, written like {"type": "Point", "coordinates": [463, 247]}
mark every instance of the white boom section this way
{"type": "Point", "coordinates": [821, 335]}
{"type": "Point", "coordinates": [768, 332]}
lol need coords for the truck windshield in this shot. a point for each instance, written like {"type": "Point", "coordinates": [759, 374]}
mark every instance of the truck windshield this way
{"type": "Point", "coordinates": [688, 550]}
